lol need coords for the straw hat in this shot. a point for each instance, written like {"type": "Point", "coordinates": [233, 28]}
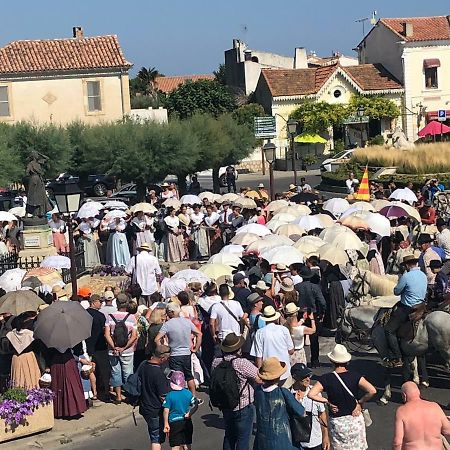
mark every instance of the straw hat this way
{"type": "Point", "coordinates": [261, 285]}
{"type": "Point", "coordinates": [254, 298]}
{"type": "Point", "coordinates": [291, 308]}
{"type": "Point", "coordinates": [271, 369]}
{"type": "Point", "coordinates": [292, 186]}
{"type": "Point", "coordinates": [145, 246]}
{"type": "Point", "coordinates": [409, 259]}
{"type": "Point", "coordinates": [232, 343]}
{"type": "Point", "coordinates": [280, 267]}
{"type": "Point", "coordinates": [287, 284]}
{"type": "Point", "coordinates": [59, 291]}
{"type": "Point", "coordinates": [269, 314]}
{"type": "Point", "coordinates": [339, 354]}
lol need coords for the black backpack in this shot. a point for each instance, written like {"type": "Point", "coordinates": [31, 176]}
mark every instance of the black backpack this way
{"type": "Point", "coordinates": [120, 334]}
{"type": "Point", "coordinates": [224, 386]}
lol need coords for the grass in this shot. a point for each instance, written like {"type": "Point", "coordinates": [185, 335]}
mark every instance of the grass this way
{"type": "Point", "coordinates": [424, 159]}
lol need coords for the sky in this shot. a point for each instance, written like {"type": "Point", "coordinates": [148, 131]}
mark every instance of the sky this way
{"type": "Point", "coordinates": [181, 37]}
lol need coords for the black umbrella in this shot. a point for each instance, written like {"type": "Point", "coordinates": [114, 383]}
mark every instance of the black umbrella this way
{"type": "Point", "coordinates": [63, 325]}
{"type": "Point", "coordinates": [304, 197]}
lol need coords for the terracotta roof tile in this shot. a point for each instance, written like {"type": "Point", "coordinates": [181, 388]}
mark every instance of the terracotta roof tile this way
{"type": "Point", "coordinates": [169, 84]}
{"type": "Point", "coordinates": [102, 52]}
{"type": "Point", "coordinates": [424, 28]}
{"type": "Point", "coordinates": [372, 77]}
{"type": "Point", "coordinates": [289, 82]}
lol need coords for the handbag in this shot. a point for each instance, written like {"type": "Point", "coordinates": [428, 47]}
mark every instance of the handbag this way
{"type": "Point", "coordinates": [365, 412]}
{"type": "Point", "coordinates": [135, 289]}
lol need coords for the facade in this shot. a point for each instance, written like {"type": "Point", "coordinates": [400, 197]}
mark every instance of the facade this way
{"type": "Point", "coordinates": [280, 92]}
{"type": "Point", "coordinates": [416, 50]}
{"type": "Point", "coordinates": [169, 84]}
{"type": "Point", "coordinates": [64, 80]}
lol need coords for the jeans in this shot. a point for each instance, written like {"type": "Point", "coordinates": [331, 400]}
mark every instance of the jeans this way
{"type": "Point", "coordinates": [155, 426]}
{"type": "Point", "coordinates": [398, 318]}
{"type": "Point", "coordinates": [238, 428]}
{"type": "Point", "coordinates": [231, 185]}
{"type": "Point", "coordinates": [121, 369]}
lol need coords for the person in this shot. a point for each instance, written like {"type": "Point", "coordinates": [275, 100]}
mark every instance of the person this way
{"type": "Point", "coordinates": [109, 300]}
{"type": "Point", "coordinates": [346, 423]}
{"type": "Point", "coordinates": [376, 264]}
{"type": "Point", "coordinates": [154, 387]}
{"type": "Point", "coordinates": [240, 290]}
{"type": "Point", "coordinates": [260, 218]}
{"type": "Point", "coordinates": [304, 186]}
{"type": "Point", "coordinates": [91, 254]}
{"type": "Point", "coordinates": [427, 255]}
{"type": "Point", "coordinates": [351, 183]}
{"type": "Point", "coordinates": [274, 405]}
{"type": "Point", "coordinates": [238, 421]}
{"type": "Point", "coordinates": [440, 288]}
{"type": "Point", "coordinates": [174, 241]}
{"type": "Point", "coordinates": [117, 251]}
{"type": "Point", "coordinates": [273, 340]}
{"type": "Point", "coordinates": [427, 213]}
{"type": "Point", "coordinates": [179, 331]}
{"type": "Point", "coordinates": [194, 187]}
{"type": "Point", "coordinates": [156, 318]}
{"type": "Point", "coordinates": [121, 353]}
{"type": "Point", "coordinates": [257, 304]}
{"type": "Point", "coordinates": [261, 288]}
{"type": "Point", "coordinates": [143, 227]}
{"type": "Point", "coordinates": [178, 407]}
{"type": "Point", "coordinates": [198, 237]}
{"type": "Point", "coordinates": [58, 227]}
{"type": "Point", "coordinates": [412, 288]}
{"type": "Point", "coordinates": [421, 431]}
{"type": "Point", "coordinates": [319, 439]}
{"type": "Point", "coordinates": [443, 236]}
{"type": "Point", "coordinates": [230, 176]}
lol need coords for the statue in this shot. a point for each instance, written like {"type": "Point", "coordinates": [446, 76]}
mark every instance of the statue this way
{"type": "Point", "coordinates": [37, 201]}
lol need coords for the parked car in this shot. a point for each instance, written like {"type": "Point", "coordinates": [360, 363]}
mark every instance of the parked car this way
{"type": "Point", "coordinates": [127, 194]}
{"type": "Point", "coordinates": [331, 164]}
{"type": "Point", "coordinates": [97, 185]}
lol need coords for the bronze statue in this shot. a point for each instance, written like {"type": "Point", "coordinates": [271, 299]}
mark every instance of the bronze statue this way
{"type": "Point", "coordinates": [37, 201]}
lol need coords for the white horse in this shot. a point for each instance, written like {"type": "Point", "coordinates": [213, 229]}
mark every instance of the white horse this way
{"type": "Point", "coordinates": [367, 284]}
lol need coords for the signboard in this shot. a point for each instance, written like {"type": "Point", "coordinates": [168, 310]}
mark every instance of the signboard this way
{"type": "Point", "coordinates": [442, 115]}
{"type": "Point", "coordinates": [351, 120]}
{"type": "Point", "coordinates": [265, 127]}
{"type": "Point", "coordinates": [32, 241]}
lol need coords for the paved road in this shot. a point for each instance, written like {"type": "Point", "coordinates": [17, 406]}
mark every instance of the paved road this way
{"type": "Point", "coordinates": [208, 427]}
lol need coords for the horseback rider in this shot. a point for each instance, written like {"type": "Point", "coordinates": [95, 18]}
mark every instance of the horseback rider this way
{"type": "Point", "coordinates": [412, 288]}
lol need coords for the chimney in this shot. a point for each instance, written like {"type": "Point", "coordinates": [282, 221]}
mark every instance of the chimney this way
{"type": "Point", "coordinates": [300, 59]}
{"type": "Point", "coordinates": [78, 32]}
{"type": "Point", "coordinates": [407, 29]}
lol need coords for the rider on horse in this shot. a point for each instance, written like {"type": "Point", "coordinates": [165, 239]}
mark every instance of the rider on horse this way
{"type": "Point", "coordinates": [412, 288]}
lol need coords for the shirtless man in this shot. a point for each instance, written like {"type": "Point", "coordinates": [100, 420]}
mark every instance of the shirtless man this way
{"type": "Point", "coordinates": [419, 431]}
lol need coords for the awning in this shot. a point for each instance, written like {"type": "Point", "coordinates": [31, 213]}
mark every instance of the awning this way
{"type": "Point", "coordinates": [433, 115]}
{"type": "Point", "coordinates": [429, 63]}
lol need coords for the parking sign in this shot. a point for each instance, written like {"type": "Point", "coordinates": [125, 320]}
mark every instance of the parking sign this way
{"type": "Point", "coordinates": [442, 115]}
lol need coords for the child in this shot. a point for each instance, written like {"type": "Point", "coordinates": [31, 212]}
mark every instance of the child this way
{"type": "Point", "coordinates": [179, 406]}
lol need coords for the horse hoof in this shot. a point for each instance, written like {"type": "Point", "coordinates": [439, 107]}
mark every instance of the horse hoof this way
{"type": "Point", "coordinates": [383, 401]}
{"type": "Point", "coordinates": [425, 384]}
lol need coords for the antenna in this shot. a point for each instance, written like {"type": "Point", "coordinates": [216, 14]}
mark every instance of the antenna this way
{"type": "Point", "coordinates": [373, 20]}
{"type": "Point", "coordinates": [363, 21]}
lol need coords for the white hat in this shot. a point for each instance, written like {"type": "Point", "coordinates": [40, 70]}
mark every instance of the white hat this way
{"type": "Point", "coordinates": [261, 185]}
{"type": "Point", "coordinates": [339, 355]}
{"type": "Point", "coordinates": [270, 314]}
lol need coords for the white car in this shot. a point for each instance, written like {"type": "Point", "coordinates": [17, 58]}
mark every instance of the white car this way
{"type": "Point", "coordinates": [331, 164]}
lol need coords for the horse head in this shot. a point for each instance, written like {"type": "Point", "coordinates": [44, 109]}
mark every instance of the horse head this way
{"type": "Point", "coordinates": [360, 288]}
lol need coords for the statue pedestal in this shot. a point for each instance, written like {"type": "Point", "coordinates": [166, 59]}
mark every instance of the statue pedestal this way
{"type": "Point", "coordinates": [37, 240]}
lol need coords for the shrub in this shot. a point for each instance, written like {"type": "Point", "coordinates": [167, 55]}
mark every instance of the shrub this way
{"type": "Point", "coordinates": [376, 140]}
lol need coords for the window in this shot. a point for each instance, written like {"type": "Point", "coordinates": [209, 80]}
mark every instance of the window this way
{"type": "Point", "coordinates": [337, 93]}
{"type": "Point", "coordinates": [4, 102]}
{"type": "Point", "coordinates": [94, 96]}
{"type": "Point", "coordinates": [431, 80]}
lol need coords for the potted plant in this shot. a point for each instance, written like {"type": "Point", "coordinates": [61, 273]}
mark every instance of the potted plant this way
{"type": "Point", "coordinates": [25, 411]}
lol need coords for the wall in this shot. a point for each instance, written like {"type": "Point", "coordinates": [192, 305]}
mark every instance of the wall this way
{"type": "Point", "coordinates": [158, 115]}
{"type": "Point", "coordinates": [62, 100]}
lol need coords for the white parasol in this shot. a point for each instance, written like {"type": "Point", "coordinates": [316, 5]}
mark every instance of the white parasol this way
{"type": "Point", "coordinates": [254, 228]}
{"type": "Point", "coordinates": [336, 206]}
{"type": "Point", "coordinates": [56, 262]}
{"type": "Point", "coordinates": [405, 194]}
{"type": "Point", "coordinates": [191, 200]}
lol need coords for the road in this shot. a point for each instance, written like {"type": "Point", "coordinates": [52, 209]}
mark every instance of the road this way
{"type": "Point", "coordinates": [208, 427]}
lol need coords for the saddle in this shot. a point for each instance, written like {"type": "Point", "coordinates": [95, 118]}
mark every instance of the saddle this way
{"type": "Point", "coordinates": [408, 330]}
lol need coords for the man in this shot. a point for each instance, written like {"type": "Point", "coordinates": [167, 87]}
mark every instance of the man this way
{"type": "Point", "coordinates": [121, 354]}
{"type": "Point", "coordinates": [273, 340]}
{"type": "Point", "coordinates": [225, 219]}
{"type": "Point", "coordinates": [109, 308]}
{"type": "Point", "coordinates": [239, 421]}
{"type": "Point", "coordinates": [257, 304]}
{"type": "Point", "coordinates": [443, 237]}
{"type": "Point", "coordinates": [427, 255]}
{"type": "Point", "coordinates": [230, 175]}
{"type": "Point", "coordinates": [97, 348]}
{"type": "Point", "coordinates": [262, 191]}
{"type": "Point", "coordinates": [292, 191]}
{"type": "Point", "coordinates": [440, 289]}
{"type": "Point", "coordinates": [261, 288]}
{"type": "Point", "coordinates": [311, 298]}
{"type": "Point", "coordinates": [226, 315]}
{"type": "Point", "coordinates": [427, 213]}
{"type": "Point", "coordinates": [145, 270]}
{"type": "Point", "coordinates": [419, 424]}
{"type": "Point", "coordinates": [154, 387]}
{"type": "Point", "coordinates": [351, 183]}
{"type": "Point", "coordinates": [304, 186]}
{"type": "Point", "coordinates": [412, 288]}
{"type": "Point", "coordinates": [240, 290]}
{"type": "Point", "coordinates": [179, 331]}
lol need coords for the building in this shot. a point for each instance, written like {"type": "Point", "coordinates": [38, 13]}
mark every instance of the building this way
{"type": "Point", "coordinates": [280, 92]}
{"type": "Point", "coordinates": [416, 50]}
{"type": "Point", "coordinates": [243, 65]}
{"type": "Point", "coordinates": [169, 84]}
{"type": "Point", "coordinates": [64, 80]}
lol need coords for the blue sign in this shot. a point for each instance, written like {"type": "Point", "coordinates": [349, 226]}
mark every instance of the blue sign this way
{"type": "Point", "coordinates": [442, 115]}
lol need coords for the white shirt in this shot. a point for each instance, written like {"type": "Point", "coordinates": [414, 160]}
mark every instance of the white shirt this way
{"type": "Point", "coordinates": [172, 222]}
{"type": "Point", "coordinates": [306, 187]}
{"type": "Point", "coordinates": [226, 323]}
{"type": "Point", "coordinates": [212, 219]}
{"type": "Point", "coordinates": [222, 214]}
{"type": "Point", "coordinates": [273, 340]}
{"type": "Point", "coordinates": [147, 269]}
{"type": "Point", "coordinates": [57, 227]}
{"type": "Point", "coordinates": [197, 218]}
{"type": "Point", "coordinates": [296, 279]}
{"type": "Point", "coordinates": [443, 241]}
{"type": "Point", "coordinates": [207, 302]}
{"type": "Point", "coordinates": [349, 183]}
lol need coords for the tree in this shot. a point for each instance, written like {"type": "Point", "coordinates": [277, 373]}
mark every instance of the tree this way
{"type": "Point", "coordinates": [200, 97]}
{"type": "Point", "coordinates": [148, 78]}
{"type": "Point", "coordinates": [245, 114]}
{"type": "Point", "coordinates": [12, 168]}
{"type": "Point", "coordinates": [220, 75]}
{"type": "Point", "coordinates": [375, 106]}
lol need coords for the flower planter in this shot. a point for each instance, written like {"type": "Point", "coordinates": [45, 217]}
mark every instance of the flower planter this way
{"type": "Point", "coordinates": [41, 420]}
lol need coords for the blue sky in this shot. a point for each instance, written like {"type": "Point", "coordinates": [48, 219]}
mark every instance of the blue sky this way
{"type": "Point", "coordinates": [189, 36]}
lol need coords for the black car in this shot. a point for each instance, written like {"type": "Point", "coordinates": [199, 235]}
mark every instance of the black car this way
{"type": "Point", "coordinates": [96, 185]}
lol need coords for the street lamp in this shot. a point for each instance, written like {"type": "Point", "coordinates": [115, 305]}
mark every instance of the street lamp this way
{"type": "Point", "coordinates": [360, 112]}
{"type": "Point", "coordinates": [292, 128]}
{"type": "Point", "coordinates": [67, 198]}
{"type": "Point", "coordinates": [269, 154]}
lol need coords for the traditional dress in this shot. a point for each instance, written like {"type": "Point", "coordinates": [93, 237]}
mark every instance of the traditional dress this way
{"type": "Point", "coordinates": [201, 248]}
{"type": "Point", "coordinates": [174, 244]}
{"type": "Point", "coordinates": [91, 255]}
{"type": "Point", "coordinates": [117, 251]}
{"type": "Point", "coordinates": [59, 240]}
{"type": "Point", "coordinates": [144, 230]}
{"type": "Point", "coordinates": [215, 235]}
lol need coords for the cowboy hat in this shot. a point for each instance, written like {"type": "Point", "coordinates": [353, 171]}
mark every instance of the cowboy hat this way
{"type": "Point", "coordinates": [287, 284]}
{"type": "Point", "coordinates": [261, 285]}
{"type": "Point", "coordinates": [290, 309]}
{"type": "Point", "coordinates": [271, 369]}
{"type": "Point", "coordinates": [269, 314]}
{"type": "Point", "coordinates": [411, 259]}
{"type": "Point", "coordinates": [232, 343]}
{"type": "Point", "coordinates": [339, 355]}
{"type": "Point", "coordinates": [292, 186]}
{"type": "Point", "coordinates": [145, 246]}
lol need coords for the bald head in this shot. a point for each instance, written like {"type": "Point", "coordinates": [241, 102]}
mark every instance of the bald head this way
{"type": "Point", "coordinates": [410, 390]}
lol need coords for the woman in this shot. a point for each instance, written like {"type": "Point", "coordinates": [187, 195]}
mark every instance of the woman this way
{"type": "Point", "coordinates": [298, 332]}
{"type": "Point", "coordinates": [12, 232]}
{"type": "Point", "coordinates": [346, 424]}
{"type": "Point", "coordinates": [287, 293]}
{"type": "Point", "coordinates": [117, 251]}
{"type": "Point", "coordinates": [91, 255]}
{"type": "Point", "coordinates": [199, 234]}
{"type": "Point", "coordinates": [58, 228]}
{"type": "Point", "coordinates": [174, 244]}
{"type": "Point", "coordinates": [212, 222]}
{"type": "Point", "coordinates": [274, 405]}
{"type": "Point", "coordinates": [185, 222]}
{"type": "Point", "coordinates": [143, 225]}
{"type": "Point", "coordinates": [156, 320]}
{"type": "Point", "coordinates": [166, 193]}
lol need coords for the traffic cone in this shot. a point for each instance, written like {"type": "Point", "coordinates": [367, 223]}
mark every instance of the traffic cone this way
{"type": "Point", "coordinates": [363, 193]}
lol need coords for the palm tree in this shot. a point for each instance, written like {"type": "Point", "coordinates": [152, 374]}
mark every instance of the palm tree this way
{"type": "Point", "coordinates": [148, 78]}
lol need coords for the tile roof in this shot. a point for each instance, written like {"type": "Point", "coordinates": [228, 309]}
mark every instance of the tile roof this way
{"type": "Point", "coordinates": [299, 82]}
{"type": "Point", "coordinates": [102, 52]}
{"type": "Point", "coordinates": [424, 28]}
{"type": "Point", "coordinates": [169, 84]}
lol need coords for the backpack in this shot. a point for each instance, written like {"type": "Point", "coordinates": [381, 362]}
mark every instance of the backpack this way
{"type": "Point", "coordinates": [224, 386]}
{"type": "Point", "coordinates": [120, 334]}
{"type": "Point", "coordinates": [133, 385]}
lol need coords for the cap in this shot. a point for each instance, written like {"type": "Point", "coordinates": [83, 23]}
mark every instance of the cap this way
{"type": "Point", "coordinates": [84, 292]}
{"type": "Point", "coordinates": [108, 295]}
{"type": "Point", "coordinates": [94, 298]}
{"type": "Point", "coordinates": [238, 277]}
{"type": "Point", "coordinates": [299, 371]}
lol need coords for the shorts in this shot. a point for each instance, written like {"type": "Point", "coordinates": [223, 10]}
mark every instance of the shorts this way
{"type": "Point", "coordinates": [183, 364]}
{"type": "Point", "coordinates": [181, 433]}
{"type": "Point", "coordinates": [155, 427]}
{"type": "Point", "coordinates": [121, 369]}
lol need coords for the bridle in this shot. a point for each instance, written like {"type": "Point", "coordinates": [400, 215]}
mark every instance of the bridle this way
{"type": "Point", "coordinates": [356, 295]}
{"type": "Point", "coordinates": [354, 330]}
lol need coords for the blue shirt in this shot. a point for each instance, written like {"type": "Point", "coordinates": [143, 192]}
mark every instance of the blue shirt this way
{"type": "Point", "coordinates": [412, 287]}
{"type": "Point", "coordinates": [261, 323]}
{"type": "Point", "coordinates": [178, 403]}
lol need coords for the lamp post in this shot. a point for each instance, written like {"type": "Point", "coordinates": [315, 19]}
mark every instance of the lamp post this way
{"type": "Point", "coordinates": [67, 198]}
{"type": "Point", "coordinates": [360, 112]}
{"type": "Point", "coordinates": [292, 128]}
{"type": "Point", "coordinates": [269, 154]}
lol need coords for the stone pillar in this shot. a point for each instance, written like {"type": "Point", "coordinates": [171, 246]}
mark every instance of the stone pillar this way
{"type": "Point", "coordinates": [37, 239]}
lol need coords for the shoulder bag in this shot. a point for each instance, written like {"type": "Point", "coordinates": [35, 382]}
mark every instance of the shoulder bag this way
{"type": "Point", "coordinates": [365, 412]}
{"type": "Point", "coordinates": [241, 323]}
